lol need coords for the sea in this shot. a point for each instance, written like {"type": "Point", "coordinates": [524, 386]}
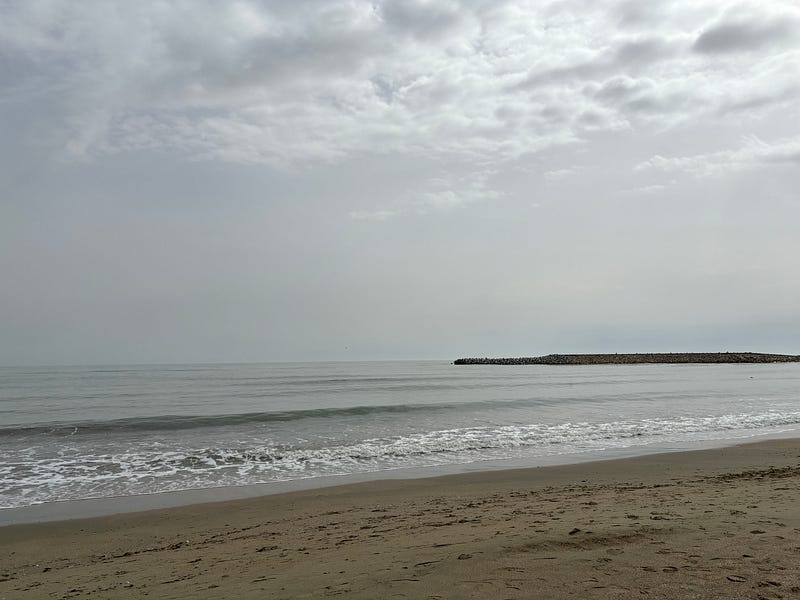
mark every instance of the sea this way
{"type": "Point", "coordinates": [75, 433]}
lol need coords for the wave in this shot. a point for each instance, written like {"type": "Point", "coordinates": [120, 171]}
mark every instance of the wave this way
{"type": "Point", "coordinates": [180, 422]}
{"type": "Point", "coordinates": [143, 468]}
{"type": "Point", "coordinates": [176, 422]}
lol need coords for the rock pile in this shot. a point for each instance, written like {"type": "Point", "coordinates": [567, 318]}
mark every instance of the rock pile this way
{"type": "Point", "coordinates": [632, 359]}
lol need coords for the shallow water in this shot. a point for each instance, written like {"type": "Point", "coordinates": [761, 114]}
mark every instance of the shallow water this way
{"type": "Point", "coordinates": [96, 432]}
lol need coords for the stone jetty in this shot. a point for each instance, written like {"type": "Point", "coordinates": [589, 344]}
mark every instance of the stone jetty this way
{"type": "Point", "coordinates": [633, 359]}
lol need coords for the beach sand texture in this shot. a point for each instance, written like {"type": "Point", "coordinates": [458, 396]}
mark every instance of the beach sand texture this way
{"type": "Point", "coordinates": [722, 523]}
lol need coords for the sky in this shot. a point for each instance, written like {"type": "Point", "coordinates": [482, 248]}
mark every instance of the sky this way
{"type": "Point", "coordinates": [203, 181]}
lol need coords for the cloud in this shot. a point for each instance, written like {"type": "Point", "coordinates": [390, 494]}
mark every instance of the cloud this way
{"type": "Point", "coordinates": [559, 174]}
{"type": "Point", "coordinates": [757, 99]}
{"type": "Point", "coordinates": [636, 13]}
{"type": "Point", "coordinates": [447, 191]}
{"type": "Point", "coordinates": [753, 152]}
{"type": "Point", "coordinates": [293, 84]}
{"type": "Point", "coordinates": [373, 215]}
{"type": "Point", "coordinates": [450, 192]}
{"type": "Point", "coordinates": [744, 35]}
{"type": "Point", "coordinates": [645, 189]}
{"type": "Point", "coordinates": [424, 19]}
{"type": "Point", "coordinates": [626, 54]}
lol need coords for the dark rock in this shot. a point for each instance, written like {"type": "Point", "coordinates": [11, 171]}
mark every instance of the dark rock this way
{"type": "Point", "coordinates": [632, 359]}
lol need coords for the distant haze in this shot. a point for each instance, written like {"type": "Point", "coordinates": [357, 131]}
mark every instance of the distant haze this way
{"type": "Point", "coordinates": [335, 180]}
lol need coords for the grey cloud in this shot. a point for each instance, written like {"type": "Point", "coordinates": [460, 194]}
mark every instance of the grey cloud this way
{"type": "Point", "coordinates": [740, 36]}
{"type": "Point", "coordinates": [626, 55]}
{"type": "Point", "coordinates": [586, 70]}
{"type": "Point", "coordinates": [277, 83]}
{"type": "Point", "coordinates": [635, 13]}
{"type": "Point", "coordinates": [645, 51]}
{"type": "Point", "coordinates": [642, 97]}
{"type": "Point", "coordinates": [421, 19]}
{"type": "Point", "coordinates": [646, 104]}
{"type": "Point", "coordinates": [315, 51]}
{"type": "Point", "coordinates": [623, 88]}
{"type": "Point", "coordinates": [788, 153]}
{"type": "Point", "coordinates": [595, 120]}
{"type": "Point", "coordinates": [759, 100]}
{"type": "Point", "coordinates": [752, 153]}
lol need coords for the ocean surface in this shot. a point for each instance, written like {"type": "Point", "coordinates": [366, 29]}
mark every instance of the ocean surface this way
{"type": "Point", "coordinates": [69, 433]}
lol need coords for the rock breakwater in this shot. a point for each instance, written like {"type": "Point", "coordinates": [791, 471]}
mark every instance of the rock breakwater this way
{"type": "Point", "coordinates": [632, 359]}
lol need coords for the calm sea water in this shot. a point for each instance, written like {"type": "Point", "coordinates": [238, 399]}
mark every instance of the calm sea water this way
{"type": "Point", "coordinates": [76, 432]}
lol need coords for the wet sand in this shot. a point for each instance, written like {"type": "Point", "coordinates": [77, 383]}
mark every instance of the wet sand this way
{"type": "Point", "coordinates": [721, 523]}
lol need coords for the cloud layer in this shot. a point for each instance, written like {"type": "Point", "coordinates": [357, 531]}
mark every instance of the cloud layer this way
{"type": "Point", "coordinates": [286, 83]}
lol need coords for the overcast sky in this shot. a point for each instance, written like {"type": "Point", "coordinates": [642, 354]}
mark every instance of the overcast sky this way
{"type": "Point", "coordinates": [345, 180]}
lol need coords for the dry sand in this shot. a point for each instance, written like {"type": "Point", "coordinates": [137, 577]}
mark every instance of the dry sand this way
{"type": "Point", "coordinates": [719, 523]}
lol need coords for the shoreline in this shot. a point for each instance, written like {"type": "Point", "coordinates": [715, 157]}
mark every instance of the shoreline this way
{"type": "Point", "coordinates": [719, 522]}
{"type": "Point", "coordinates": [107, 506]}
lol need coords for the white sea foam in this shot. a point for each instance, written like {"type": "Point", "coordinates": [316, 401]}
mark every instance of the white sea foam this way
{"type": "Point", "coordinates": [167, 465]}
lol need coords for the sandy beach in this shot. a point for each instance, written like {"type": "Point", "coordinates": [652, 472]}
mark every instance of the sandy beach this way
{"type": "Point", "coordinates": [722, 523]}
